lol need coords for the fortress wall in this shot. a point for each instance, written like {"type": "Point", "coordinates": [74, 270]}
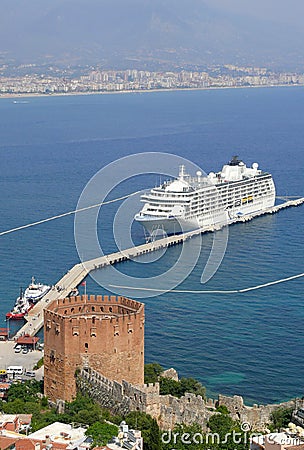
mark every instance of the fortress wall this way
{"type": "Point", "coordinates": [122, 398]}
{"type": "Point", "coordinates": [79, 334]}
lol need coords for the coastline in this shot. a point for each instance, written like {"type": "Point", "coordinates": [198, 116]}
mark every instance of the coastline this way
{"type": "Point", "coordinates": [183, 96]}
{"type": "Point", "coordinates": [140, 91]}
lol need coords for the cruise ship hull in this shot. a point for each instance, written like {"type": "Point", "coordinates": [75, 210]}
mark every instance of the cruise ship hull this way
{"type": "Point", "coordinates": [166, 225]}
{"type": "Point", "coordinates": [172, 225]}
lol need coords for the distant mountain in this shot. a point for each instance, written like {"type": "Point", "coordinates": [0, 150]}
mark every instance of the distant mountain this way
{"type": "Point", "coordinates": [146, 32]}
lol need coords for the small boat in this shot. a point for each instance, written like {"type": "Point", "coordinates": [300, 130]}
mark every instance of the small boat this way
{"type": "Point", "coordinates": [35, 291]}
{"type": "Point", "coordinates": [21, 308]}
{"type": "Point", "coordinates": [27, 299]}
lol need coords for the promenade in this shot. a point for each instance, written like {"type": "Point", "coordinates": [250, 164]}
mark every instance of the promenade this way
{"type": "Point", "coordinates": [78, 273]}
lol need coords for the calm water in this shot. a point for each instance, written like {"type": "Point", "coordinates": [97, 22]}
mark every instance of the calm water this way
{"type": "Point", "coordinates": [249, 344]}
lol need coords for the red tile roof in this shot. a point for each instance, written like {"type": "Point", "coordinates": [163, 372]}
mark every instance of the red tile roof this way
{"type": "Point", "coordinates": [3, 332]}
{"type": "Point", "coordinates": [25, 340]}
{"type": "Point", "coordinates": [7, 442]}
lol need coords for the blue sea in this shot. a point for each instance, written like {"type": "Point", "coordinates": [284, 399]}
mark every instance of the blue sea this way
{"type": "Point", "coordinates": [248, 344]}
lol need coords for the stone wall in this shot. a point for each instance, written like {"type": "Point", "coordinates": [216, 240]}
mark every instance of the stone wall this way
{"type": "Point", "coordinates": [124, 397]}
{"type": "Point", "coordinates": [105, 333]}
{"type": "Point", "coordinates": [119, 398]}
{"type": "Point", "coordinates": [258, 416]}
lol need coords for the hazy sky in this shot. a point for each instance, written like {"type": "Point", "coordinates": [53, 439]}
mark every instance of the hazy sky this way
{"type": "Point", "coordinates": [290, 12]}
{"type": "Point", "coordinates": [231, 30]}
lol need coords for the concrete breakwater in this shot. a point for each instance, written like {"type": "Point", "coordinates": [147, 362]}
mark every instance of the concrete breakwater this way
{"type": "Point", "coordinates": [78, 273]}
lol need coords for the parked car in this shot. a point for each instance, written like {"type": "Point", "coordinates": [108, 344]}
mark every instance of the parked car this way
{"type": "Point", "coordinates": [18, 348]}
{"type": "Point", "coordinates": [25, 350]}
{"type": "Point", "coordinates": [30, 373]}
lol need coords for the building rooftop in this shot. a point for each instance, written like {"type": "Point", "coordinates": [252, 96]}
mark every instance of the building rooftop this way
{"type": "Point", "coordinates": [4, 418]}
{"type": "Point", "coordinates": [27, 340]}
{"type": "Point", "coordinates": [7, 442]}
{"type": "Point", "coordinates": [60, 433]}
{"type": "Point", "coordinates": [282, 440]}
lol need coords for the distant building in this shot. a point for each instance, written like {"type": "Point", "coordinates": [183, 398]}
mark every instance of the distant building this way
{"type": "Point", "coordinates": [105, 333]}
{"type": "Point", "coordinates": [57, 436]}
{"type": "Point", "coordinates": [4, 332]}
{"type": "Point", "coordinates": [8, 442]}
{"type": "Point", "coordinates": [126, 439]}
{"type": "Point", "coordinates": [14, 422]}
{"type": "Point", "coordinates": [4, 387]}
{"type": "Point", "coordinates": [277, 441]}
{"type": "Point", "coordinates": [9, 422]}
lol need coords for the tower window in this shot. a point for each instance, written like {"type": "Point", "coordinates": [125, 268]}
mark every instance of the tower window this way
{"type": "Point", "coordinates": [93, 332]}
{"type": "Point", "coordinates": [75, 331]}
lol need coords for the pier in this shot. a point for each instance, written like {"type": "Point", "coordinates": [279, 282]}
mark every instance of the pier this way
{"type": "Point", "coordinates": [78, 273]}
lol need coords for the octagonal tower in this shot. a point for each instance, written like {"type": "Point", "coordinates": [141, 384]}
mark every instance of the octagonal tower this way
{"type": "Point", "coordinates": [105, 333]}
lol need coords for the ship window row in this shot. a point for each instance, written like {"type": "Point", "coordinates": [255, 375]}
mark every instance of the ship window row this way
{"type": "Point", "coordinates": [244, 183]}
{"type": "Point", "coordinates": [175, 196]}
{"type": "Point", "coordinates": [246, 188]}
{"type": "Point", "coordinates": [167, 200]}
{"type": "Point", "coordinates": [158, 210]}
{"type": "Point", "coordinates": [184, 194]}
{"type": "Point", "coordinates": [160, 205]}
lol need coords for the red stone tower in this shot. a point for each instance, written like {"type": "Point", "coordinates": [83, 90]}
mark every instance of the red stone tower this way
{"type": "Point", "coordinates": [102, 332]}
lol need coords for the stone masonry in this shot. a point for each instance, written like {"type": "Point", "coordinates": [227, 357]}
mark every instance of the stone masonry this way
{"type": "Point", "coordinates": [105, 333]}
{"type": "Point", "coordinates": [96, 344]}
{"type": "Point", "coordinates": [121, 398]}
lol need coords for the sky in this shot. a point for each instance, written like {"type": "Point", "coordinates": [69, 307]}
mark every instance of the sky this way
{"type": "Point", "coordinates": [227, 31]}
{"type": "Point", "coordinates": [280, 11]}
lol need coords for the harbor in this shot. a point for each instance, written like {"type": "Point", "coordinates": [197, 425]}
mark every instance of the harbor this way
{"type": "Point", "coordinates": [75, 276]}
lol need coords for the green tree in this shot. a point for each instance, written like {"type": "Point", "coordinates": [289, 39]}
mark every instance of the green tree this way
{"type": "Point", "coordinates": [101, 432]}
{"type": "Point", "coordinates": [149, 428]}
{"type": "Point", "coordinates": [179, 388]}
{"type": "Point", "coordinates": [229, 435]}
{"type": "Point", "coordinates": [222, 409]}
{"type": "Point", "coordinates": [152, 372]}
{"type": "Point", "coordinates": [170, 386]}
{"type": "Point", "coordinates": [88, 416]}
{"type": "Point", "coordinates": [82, 410]}
{"type": "Point", "coordinates": [26, 391]}
{"type": "Point", "coordinates": [39, 364]}
{"type": "Point", "coordinates": [281, 417]}
{"type": "Point", "coordinates": [221, 424]}
{"type": "Point", "coordinates": [154, 439]}
{"type": "Point", "coordinates": [193, 386]}
{"type": "Point", "coordinates": [42, 419]}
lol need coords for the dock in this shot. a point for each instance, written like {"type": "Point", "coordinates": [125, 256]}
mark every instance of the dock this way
{"type": "Point", "coordinates": [79, 272]}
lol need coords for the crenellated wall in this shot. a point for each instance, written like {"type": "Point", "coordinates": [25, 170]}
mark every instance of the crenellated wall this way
{"type": "Point", "coordinates": [102, 332]}
{"type": "Point", "coordinates": [258, 416]}
{"type": "Point", "coordinates": [124, 397]}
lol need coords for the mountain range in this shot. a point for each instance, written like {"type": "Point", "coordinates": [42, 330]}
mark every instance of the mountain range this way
{"type": "Point", "coordinates": [175, 33]}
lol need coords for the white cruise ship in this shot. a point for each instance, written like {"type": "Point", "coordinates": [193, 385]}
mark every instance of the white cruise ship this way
{"type": "Point", "coordinates": [188, 203]}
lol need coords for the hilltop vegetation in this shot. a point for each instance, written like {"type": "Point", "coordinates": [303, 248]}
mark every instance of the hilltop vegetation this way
{"type": "Point", "coordinates": [153, 373]}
